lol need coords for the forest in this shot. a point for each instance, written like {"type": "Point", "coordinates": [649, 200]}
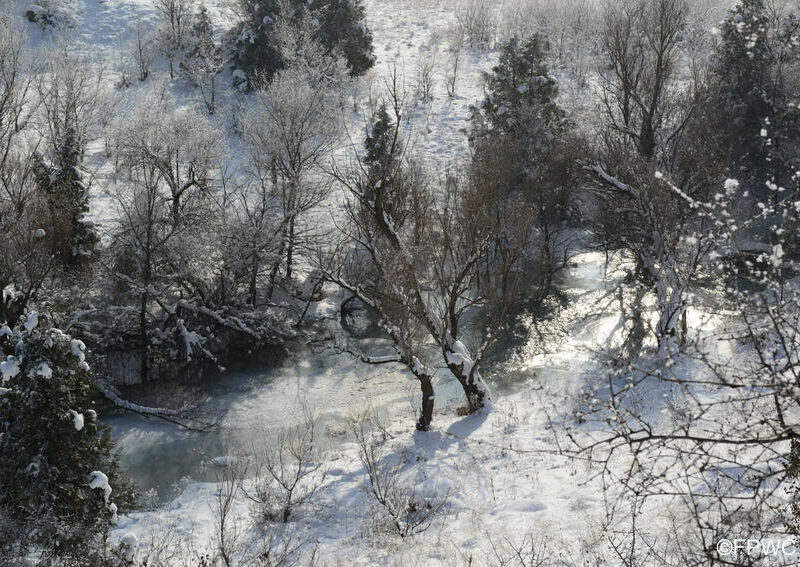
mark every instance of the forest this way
{"type": "Point", "coordinates": [400, 283]}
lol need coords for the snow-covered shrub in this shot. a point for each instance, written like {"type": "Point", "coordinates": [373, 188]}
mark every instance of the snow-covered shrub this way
{"type": "Point", "coordinates": [60, 479]}
{"type": "Point", "coordinates": [288, 472]}
{"type": "Point", "coordinates": [402, 508]}
{"type": "Point", "coordinates": [476, 20]}
{"type": "Point", "coordinates": [50, 14]}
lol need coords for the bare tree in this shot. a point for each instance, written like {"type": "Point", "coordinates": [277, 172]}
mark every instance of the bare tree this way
{"type": "Point", "coordinates": [403, 511]}
{"type": "Point", "coordinates": [426, 74]}
{"type": "Point", "coordinates": [180, 144]}
{"type": "Point", "coordinates": [175, 27]}
{"type": "Point", "coordinates": [256, 234]}
{"type": "Point", "coordinates": [417, 263]}
{"type": "Point", "coordinates": [456, 48]}
{"type": "Point", "coordinates": [641, 39]}
{"type": "Point", "coordinates": [25, 260]}
{"type": "Point", "coordinates": [142, 50]}
{"type": "Point", "coordinates": [721, 447]}
{"type": "Point", "coordinates": [289, 471]}
{"type": "Point", "coordinates": [229, 485]}
{"type": "Point", "coordinates": [292, 131]}
{"type": "Point", "coordinates": [142, 242]}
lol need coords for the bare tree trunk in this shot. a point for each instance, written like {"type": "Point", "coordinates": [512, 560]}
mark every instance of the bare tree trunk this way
{"type": "Point", "coordinates": [213, 106]}
{"type": "Point", "coordinates": [143, 342]}
{"type": "Point", "coordinates": [290, 250]}
{"type": "Point", "coordinates": [426, 407]}
{"type": "Point", "coordinates": [254, 278]}
{"type": "Point", "coordinates": [276, 266]}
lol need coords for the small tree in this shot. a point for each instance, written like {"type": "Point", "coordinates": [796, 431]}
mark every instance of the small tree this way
{"type": "Point", "coordinates": [204, 61]}
{"type": "Point", "coordinates": [58, 469]}
{"type": "Point", "coordinates": [175, 25]}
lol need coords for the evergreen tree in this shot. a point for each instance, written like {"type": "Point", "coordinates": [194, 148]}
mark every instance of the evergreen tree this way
{"type": "Point", "coordinates": [520, 144]}
{"type": "Point", "coordinates": [520, 94]}
{"type": "Point", "coordinates": [57, 468]}
{"type": "Point", "coordinates": [518, 129]}
{"type": "Point", "coordinates": [72, 237]}
{"type": "Point", "coordinates": [748, 97]}
{"type": "Point", "coordinates": [339, 25]}
{"type": "Point", "coordinates": [385, 168]}
{"type": "Point", "coordinates": [378, 142]}
{"type": "Point", "coordinates": [342, 27]}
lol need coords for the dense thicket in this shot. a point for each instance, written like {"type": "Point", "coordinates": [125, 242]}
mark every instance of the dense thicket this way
{"type": "Point", "coordinates": [261, 46]}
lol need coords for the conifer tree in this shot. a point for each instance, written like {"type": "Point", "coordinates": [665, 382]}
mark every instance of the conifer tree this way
{"type": "Point", "coordinates": [60, 483]}
{"type": "Point", "coordinates": [749, 100]}
{"type": "Point", "coordinates": [72, 237]}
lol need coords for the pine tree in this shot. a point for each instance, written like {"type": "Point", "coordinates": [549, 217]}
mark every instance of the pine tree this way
{"type": "Point", "coordinates": [383, 163]}
{"type": "Point", "coordinates": [342, 26]}
{"type": "Point", "coordinates": [520, 93]}
{"type": "Point", "coordinates": [518, 125]}
{"type": "Point", "coordinates": [378, 142]}
{"type": "Point", "coordinates": [521, 148]}
{"type": "Point", "coordinates": [60, 481]}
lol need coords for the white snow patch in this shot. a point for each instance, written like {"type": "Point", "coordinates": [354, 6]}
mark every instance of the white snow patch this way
{"type": "Point", "coordinates": [99, 480]}
{"type": "Point", "coordinates": [43, 369]}
{"type": "Point", "coordinates": [31, 321]}
{"type": "Point", "coordinates": [77, 419]}
{"type": "Point", "coordinates": [9, 368]}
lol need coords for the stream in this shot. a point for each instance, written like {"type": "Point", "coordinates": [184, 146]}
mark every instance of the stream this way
{"type": "Point", "coordinates": [251, 405]}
